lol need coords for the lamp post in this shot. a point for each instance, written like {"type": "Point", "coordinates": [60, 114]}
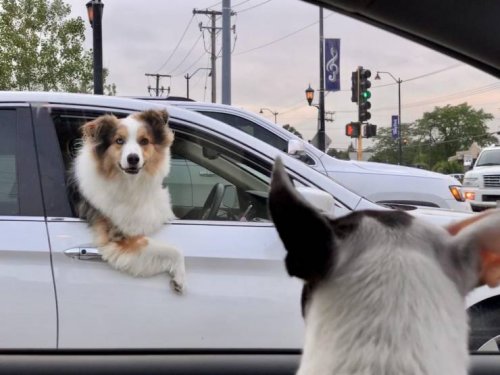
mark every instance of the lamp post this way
{"type": "Point", "coordinates": [398, 81]}
{"type": "Point", "coordinates": [188, 77]}
{"type": "Point", "coordinates": [94, 11]}
{"type": "Point", "coordinates": [272, 112]}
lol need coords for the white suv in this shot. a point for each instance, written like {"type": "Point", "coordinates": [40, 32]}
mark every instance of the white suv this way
{"type": "Point", "coordinates": [482, 183]}
{"type": "Point", "coordinates": [381, 183]}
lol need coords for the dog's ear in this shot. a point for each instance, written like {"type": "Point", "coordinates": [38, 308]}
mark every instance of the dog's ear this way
{"type": "Point", "coordinates": [95, 128]}
{"type": "Point", "coordinates": [157, 120]}
{"type": "Point", "coordinates": [481, 233]}
{"type": "Point", "coordinates": [305, 232]}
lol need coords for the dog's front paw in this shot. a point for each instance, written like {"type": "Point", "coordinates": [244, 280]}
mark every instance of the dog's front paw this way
{"type": "Point", "coordinates": [177, 286]}
{"type": "Point", "coordinates": [178, 279]}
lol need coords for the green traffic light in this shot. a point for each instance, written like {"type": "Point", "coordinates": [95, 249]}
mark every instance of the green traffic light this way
{"type": "Point", "coordinates": [366, 94]}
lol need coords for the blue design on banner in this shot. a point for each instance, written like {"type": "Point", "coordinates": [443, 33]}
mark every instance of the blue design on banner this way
{"type": "Point", "coordinates": [332, 64]}
{"type": "Point", "coordinates": [394, 126]}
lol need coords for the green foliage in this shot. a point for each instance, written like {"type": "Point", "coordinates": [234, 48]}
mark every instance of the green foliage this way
{"type": "Point", "coordinates": [292, 130]}
{"type": "Point", "coordinates": [41, 48]}
{"type": "Point", "coordinates": [448, 167]}
{"type": "Point", "coordinates": [435, 137]}
{"type": "Point", "coordinates": [338, 153]}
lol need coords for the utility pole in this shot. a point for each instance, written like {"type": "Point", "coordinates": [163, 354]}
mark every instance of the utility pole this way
{"type": "Point", "coordinates": [226, 52]}
{"type": "Point", "coordinates": [158, 88]}
{"type": "Point", "coordinates": [213, 49]}
{"type": "Point", "coordinates": [321, 130]}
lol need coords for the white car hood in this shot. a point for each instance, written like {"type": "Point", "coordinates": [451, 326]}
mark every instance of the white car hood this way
{"type": "Point", "coordinates": [491, 169]}
{"type": "Point", "coordinates": [336, 165]}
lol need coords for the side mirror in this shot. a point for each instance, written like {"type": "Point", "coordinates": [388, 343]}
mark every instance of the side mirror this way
{"type": "Point", "coordinates": [296, 147]}
{"type": "Point", "coordinates": [318, 198]}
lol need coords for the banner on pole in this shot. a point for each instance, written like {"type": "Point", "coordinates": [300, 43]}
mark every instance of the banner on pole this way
{"type": "Point", "coordinates": [332, 64]}
{"type": "Point", "coordinates": [395, 127]}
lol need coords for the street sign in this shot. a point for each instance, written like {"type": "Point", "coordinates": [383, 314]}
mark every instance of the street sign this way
{"type": "Point", "coordinates": [315, 141]}
{"type": "Point", "coordinates": [394, 127]}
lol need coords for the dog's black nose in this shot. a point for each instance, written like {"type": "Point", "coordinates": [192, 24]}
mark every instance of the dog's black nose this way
{"type": "Point", "coordinates": [133, 159]}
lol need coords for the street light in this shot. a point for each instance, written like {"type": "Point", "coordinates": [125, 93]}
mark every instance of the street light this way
{"type": "Point", "coordinates": [188, 77]}
{"type": "Point", "coordinates": [274, 113]}
{"type": "Point", "coordinates": [309, 94]}
{"type": "Point", "coordinates": [94, 11]}
{"type": "Point", "coordinates": [398, 81]}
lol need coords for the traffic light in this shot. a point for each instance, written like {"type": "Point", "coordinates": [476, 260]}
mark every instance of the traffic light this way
{"type": "Point", "coordinates": [354, 87]}
{"type": "Point", "coordinates": [352, 129]}
{"type": "Point", "coordinates": [364, 95]}
{"type": "Point", "coordinates": [369, 130]}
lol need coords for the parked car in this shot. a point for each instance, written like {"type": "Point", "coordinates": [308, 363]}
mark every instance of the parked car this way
{"type": "Point", "coordinates": [238, 293]}
{"type": "Point", "coordinates": [482, 182]}
{"type": "Point", "coordinates": [378, 182]}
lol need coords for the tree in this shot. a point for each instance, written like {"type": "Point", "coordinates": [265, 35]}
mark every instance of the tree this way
{"type": "Point", "coordinates": [338, 153]}
{"type": "Point", "coordinates": [292, 130]}
{"type": "Point", "coordinates": [435, 137]}
{"type": "Point", "coordinates": [386, 148]}
{"type": "Point", "coordinates": [446, 130]}
{"type": "Point", "coordinates": [41, 48]}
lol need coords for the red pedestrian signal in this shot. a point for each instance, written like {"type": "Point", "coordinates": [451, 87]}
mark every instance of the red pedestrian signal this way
{"type": "Point", "coordinates": [352, 129]}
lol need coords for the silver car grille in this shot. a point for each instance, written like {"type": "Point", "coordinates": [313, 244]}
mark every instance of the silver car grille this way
{"type": "Point", "coordinates": [492, 180]}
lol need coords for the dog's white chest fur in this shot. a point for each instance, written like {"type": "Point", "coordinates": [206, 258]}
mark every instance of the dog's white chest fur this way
{"type": "Point", "coordinates": [136, 204]}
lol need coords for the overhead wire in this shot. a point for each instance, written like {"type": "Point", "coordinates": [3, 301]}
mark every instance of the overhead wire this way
{"type": "Point", "coordinates": [254, 6]}
{"type": "Point", "coordinates": [178, 44]}
{"type": "Point", "coordinates": [281, 38]}
{"type": "Point", "coordinates": [174, 70]}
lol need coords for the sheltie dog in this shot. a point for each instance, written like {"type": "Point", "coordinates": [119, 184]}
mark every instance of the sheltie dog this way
{"type": "Point", "coordinates": [118, 174]}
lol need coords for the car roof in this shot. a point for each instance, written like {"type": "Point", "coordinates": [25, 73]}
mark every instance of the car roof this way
{"type": "Point", "coordinates": [467, 30]}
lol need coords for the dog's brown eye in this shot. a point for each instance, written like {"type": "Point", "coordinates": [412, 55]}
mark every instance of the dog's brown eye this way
{"type": "Point", "coordinates": [144, 142]}
{"type": "Point", "coordinates": [119, 141]}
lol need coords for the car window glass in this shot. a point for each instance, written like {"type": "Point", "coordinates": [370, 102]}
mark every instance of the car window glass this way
{"type": "Point", "coordinates": [208, 177]}
{"type": "Point", "coordinates": [9, 201]}
{"type": "Point", "coordinates": [256, 131]}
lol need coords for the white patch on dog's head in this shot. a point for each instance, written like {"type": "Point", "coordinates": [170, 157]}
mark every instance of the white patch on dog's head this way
{"type": "Point", "coordinates": [139, 142]}
{"type": "Point", "coordinates": [383, 290]}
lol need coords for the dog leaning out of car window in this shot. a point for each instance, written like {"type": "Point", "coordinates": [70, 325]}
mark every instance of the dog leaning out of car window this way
{"type": "Point", "coordinates": [118, 174]}
{"type": "Point", "coordinates": [383, 291]}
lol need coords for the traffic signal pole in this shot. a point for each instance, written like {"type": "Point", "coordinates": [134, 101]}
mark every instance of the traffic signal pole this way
{"type": "Point", "coordinates": [360, 136]}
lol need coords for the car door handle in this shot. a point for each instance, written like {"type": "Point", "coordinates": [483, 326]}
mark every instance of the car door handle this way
{"type": "Point", "coordinates": [84, 253]}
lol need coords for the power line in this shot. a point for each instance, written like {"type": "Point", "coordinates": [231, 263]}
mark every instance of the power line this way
{"type": "Point", "coordinates": [254, 6]}
{"type": "Point", "coordinates": [187, 55]}
{"type": "Point", "coordinates": [281, 38]}
{"type": "Point", "coordinates": [432, 73]}
{"type": "Point", "coordinates": [178, 44]}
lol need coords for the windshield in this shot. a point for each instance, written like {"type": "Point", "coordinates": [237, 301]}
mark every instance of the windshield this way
{"type": "Point", "coordinates": [488, 157]}
{"type": "Point", "coordinates": [150, 231]}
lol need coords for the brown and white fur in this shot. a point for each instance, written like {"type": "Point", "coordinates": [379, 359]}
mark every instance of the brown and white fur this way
{"type": "Point", "coordinates": [119, 173]}
{"type": "Point", "coordinates": [383, 291]}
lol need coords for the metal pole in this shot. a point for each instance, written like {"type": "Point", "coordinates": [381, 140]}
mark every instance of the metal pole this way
{"type": "Point", "coordinates": [400, 150]}
{"type": "Point", "coordinates": [226, 52]}
{"type": "Point", "coordinates": [321, 132]}
{"type": "Point", "coordinates": [97, 43]}
{"type": "Point", "coordinates": [213, 60]}
{"type": "Point", "coordinates": [187, 84]}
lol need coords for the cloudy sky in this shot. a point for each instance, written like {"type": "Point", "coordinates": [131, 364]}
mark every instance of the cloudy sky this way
{"type": "Point", "coordinates": [276, 56]}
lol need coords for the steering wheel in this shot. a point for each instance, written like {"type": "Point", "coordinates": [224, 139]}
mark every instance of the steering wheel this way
{"type": "Point", "coordinates": [213, 202]}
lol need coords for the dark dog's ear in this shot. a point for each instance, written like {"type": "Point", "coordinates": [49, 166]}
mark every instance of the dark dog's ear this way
{"type": "Point", "coordinates": [305, 232]}
{"type": "Point", "coordinates": [99, 127]}
{"type": "Point", "coordinates": [158, 120]}
{"type": "Point", "coordinates": [479, 237]}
